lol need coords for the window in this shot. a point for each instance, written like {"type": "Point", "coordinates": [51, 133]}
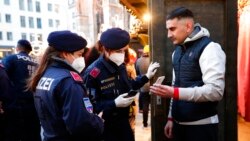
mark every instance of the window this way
{"type": "Point", "coordinates": [57, 23]}
{"type": "Point", "coordinates": [30, 7]}
{"type": "Point", "coordinates": [39, 23]}
{"type": "Point", "coordinates": [49, 7]}
{"type": "Point", "coordinates": [9, 36]}
{"type": "Point", "coordinates": [32, 37]}
{"type": "Point", "coordinates": [56, 8]}
{"type": "Point", "coordinates": [21, 4]}
{"type": "Point", "coordinates": [7, 2]}
{"type": "Point", "coordinates": [39, 37]}
{"type": "Point", "coordinates": [22, 21]}
{"type": "Point", "coordinates": [38, 9]}
{"type": "Point", "coordinates": [31, 22]}
{"type": "Point", "coordinates": [24, 36]}
{"type": "Point", "coordinates": [50, 23]}
{"type": "Point", "coordinates": [1, 35]}
{"type": "Point", "coordinates": [70, 2]}
{"type": "Point", "coordinates": [8, 18]}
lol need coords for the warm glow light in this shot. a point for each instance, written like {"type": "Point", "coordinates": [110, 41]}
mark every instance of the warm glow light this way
{"type": "Point", "coordinates": [146, 17]}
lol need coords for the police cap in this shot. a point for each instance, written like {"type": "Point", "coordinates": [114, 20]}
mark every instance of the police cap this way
{"type": "Point", "coordinates": [66, 41]}
{"type": "Point", "coordinates": [114, 38]}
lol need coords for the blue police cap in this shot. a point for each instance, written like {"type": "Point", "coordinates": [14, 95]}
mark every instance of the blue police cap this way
{"type": "Point", "coordinates": [66, 41]}
{"type": "Point", "coordinates": [114, 38]}
{"type": "Point", "coordinates": [24, 43]}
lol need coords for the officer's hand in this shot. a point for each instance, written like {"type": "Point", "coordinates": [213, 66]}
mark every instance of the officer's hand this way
{"type": "Point", "coordinates": [168, 129]}
{"type": "Point", "coordinates": [120, 101]}
{"type": "Point", "coordinates": [152, 69]}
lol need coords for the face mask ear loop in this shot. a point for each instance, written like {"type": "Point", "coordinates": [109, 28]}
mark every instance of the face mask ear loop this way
{"type": "Point", "coordinates": [72, 56]}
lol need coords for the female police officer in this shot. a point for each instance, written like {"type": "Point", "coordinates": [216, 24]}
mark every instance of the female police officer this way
{"type": "Point", "coordinates": [108, 82]}
{"type": "Point", "coordinates": [63, 106]}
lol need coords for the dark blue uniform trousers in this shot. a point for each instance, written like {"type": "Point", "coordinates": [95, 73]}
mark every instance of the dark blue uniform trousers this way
{"type": "Point", "coordinates": [118, 130]}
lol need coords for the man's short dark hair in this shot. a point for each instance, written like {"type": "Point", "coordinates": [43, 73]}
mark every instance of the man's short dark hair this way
{"type": "Point", "coordinates": [25, 45]}
{"type": "Point", "coordinates": [180, 12]}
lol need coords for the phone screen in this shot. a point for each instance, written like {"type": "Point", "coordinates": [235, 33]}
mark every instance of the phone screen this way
{"type": "Point", "coordinates": [132, 93]}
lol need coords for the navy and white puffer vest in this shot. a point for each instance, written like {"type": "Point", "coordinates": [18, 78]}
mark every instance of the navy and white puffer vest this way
{"type": "Point", "coordinates": [188, 74]}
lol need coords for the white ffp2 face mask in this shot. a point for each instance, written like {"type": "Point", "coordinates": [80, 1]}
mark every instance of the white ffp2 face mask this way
{"type": "Point", "coordinates": [117, 58]}
{"type": "Point", "coordinates": [78, 64]}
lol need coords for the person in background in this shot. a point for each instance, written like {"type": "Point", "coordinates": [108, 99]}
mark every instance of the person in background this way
{"type": "Point", "coordinates": [61, 100]}
{"type": "Point", "coordinates": [130, 58]}
{"type": "Point", "coordinates": [141, 66]}
{"type": "Point", "coordinates": [22, 122]}
{"type": "Point", "coordinates": [198, 80]}
{"type": "Point", "coordinates": [91, 54]}
{"type": "Point", "coordinates": [6, 96]}
{"type": "Point", "coordinates": [108, 82]}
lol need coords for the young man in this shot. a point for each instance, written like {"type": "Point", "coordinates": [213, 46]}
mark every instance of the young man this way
{"type": "Point", "coordinates": [198, 80]}
{"type": "Point", "coordinates": [108, 82]}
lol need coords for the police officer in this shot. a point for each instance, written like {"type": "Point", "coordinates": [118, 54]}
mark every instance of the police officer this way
{"type": "Point", "coordinates": [21, 117]}
{"type": "Point", "coordinates": [61, 101]}
{"type": "Point", "coordinates": [6, 96]}
{"type": "Point", "coordinates": [108, 82]}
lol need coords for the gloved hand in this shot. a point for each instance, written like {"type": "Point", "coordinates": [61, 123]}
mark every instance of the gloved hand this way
{"type": "Point", "coordinates": [120, 101]}
{"type": "Point", "coordinates": [152, 69]}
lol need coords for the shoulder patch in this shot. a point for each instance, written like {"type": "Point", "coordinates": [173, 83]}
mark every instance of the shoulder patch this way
{"type": "Point", "coordinates": [76, 76]}
{"type": "Point", "coordinates": [94, 72]}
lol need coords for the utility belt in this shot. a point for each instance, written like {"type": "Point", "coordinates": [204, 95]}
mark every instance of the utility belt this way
{"type": "Point", "coordinates": [210, 120]}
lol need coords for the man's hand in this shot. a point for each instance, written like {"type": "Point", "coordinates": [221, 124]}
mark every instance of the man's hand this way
{"type": "Point", "coordinates": [168, 129]}
{"type": "Point", "coordinates": [162, 90]}
{"type": "Point", "coordinates": [152, 69]}
{"type": "Point", "coordinates": [121, 101]}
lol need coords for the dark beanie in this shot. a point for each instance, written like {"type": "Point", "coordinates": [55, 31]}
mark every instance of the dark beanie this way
{"type": "Point", "coordinates": [24, 43]}
{"type": "Point", "coordinates": [114, 38]}
{"type": "Point", "coordinates": [66, 41]}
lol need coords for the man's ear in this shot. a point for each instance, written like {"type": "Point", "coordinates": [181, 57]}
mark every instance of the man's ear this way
{"type": "Point", "coordinates": [189, 25]}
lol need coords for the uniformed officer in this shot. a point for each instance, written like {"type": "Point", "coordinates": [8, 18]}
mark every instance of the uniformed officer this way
{"type": "Point", "coordinates": [61, 101]}
{"type": "Point", "coordinates": [21, 117]}
{"type": "Point", "coordinates": [108, 82]}
{"type": "Point", "coordinates": [6, 96]}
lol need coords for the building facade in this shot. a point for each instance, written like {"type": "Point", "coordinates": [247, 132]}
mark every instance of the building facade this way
{"type": "Point", "coordinates": [29, 19]}
{"type": "Point", "coordinates": [90, 18]}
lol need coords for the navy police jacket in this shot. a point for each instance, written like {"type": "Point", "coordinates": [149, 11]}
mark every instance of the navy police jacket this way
{"type": "Point", "coordinates": [19, 68]}
{"type": "Point", "coordinates": [6, 87]}
{"type": "Point", "coordinates": [106, 81]}
{"type": "Point", "coordinates": [60, 104]}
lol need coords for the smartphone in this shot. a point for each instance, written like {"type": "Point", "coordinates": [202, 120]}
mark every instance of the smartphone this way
{"type": "Point", "coordinates": [131, 93]}
{"type": "Point", "coordinates": [160, 80]}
